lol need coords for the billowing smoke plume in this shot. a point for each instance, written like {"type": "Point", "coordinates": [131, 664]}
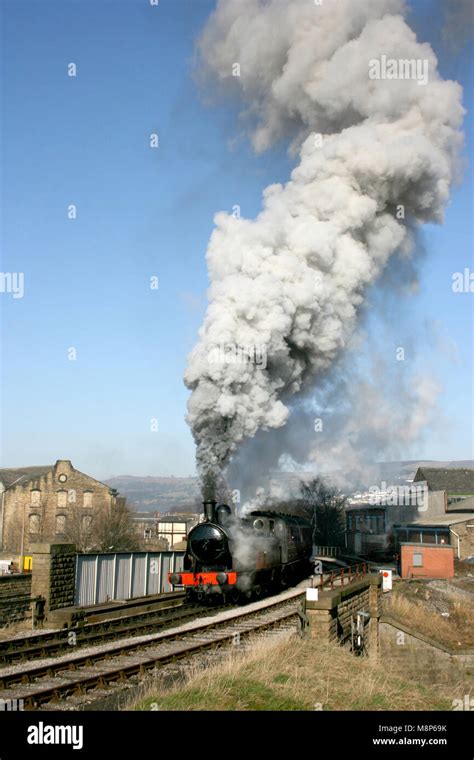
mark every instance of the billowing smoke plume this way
{"type": "Point", "coordinates": [377, 157]}
{"type": "Point", "coordinates": [351, 422]}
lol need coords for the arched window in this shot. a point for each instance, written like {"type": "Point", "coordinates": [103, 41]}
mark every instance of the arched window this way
{"type": "Point", "coordinates": [60, 524]}
{"type": "Point", "coordinates": [62, 499]}
{"type": "Point", "coordinates": [34, 523]}
{"type": "Point", "coordinates": [88, 498]}
{"type": "Point", "coordinates": [35, 498]}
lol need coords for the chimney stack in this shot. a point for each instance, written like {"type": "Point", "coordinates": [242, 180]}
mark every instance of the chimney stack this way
{"type": "Point", "coordinates": [209, 510]}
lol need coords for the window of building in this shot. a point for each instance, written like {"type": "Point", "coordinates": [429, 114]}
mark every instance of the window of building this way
{"type": "Point", "coordinates": [349, 522]}
{"type": "Point", "coordinates": [147, 534]}
{"type": "Point", "coordinates": [417, 560]}
{"type": "Point", "coordinates": [34, 523]}
{"type": "Point", "coordinates": [86, 522]}
{"type": "Point", "coordinates": [60, 524]}
{"type": "Point", "coordinates": [62, 499]}
{"type": "Point", "coordinates": [36, 498]}
{"type": "Point", "coordinates": [88, 498]}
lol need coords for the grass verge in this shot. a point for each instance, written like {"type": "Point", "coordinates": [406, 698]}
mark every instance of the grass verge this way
{"type": "Point", "coordinates": [296, 674]}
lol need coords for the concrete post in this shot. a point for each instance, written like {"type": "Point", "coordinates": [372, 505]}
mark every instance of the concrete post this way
{"type": "Point", "coordinates": [41, 572]}
{"type": "Point", "coordinates": [322, 616]}
{"type": "Point", "coordinates": [375, 609]}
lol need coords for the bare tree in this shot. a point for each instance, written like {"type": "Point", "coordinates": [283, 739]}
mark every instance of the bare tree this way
{"type": "Point", "coordinates": [324, 508]}
{"type": "Point", "coordinates": [80, 527]}
{"type": "Point", "coordinates": [115, 530]}
{"type": "Point", "coordinates": [102, 530]}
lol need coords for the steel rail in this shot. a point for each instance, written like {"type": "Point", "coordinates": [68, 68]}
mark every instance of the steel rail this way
{"type": "Point", "coordinates": [182, 641]}
{"type": "Point", "coordinates": [120, 673]}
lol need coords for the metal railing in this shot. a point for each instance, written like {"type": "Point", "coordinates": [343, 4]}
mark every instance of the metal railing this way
{"type": "Point", "coordinates": [327, 551]}
{"type": "Point", "coordinates": [350, 573]}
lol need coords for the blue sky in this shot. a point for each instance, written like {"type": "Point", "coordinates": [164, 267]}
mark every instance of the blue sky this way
{"type": "Point", "coordinates": [145, 212]}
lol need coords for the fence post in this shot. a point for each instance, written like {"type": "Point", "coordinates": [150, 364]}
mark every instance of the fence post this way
{"type": "Point", "coordinates": [76, 580]}
{"type": "Point", "coordinates": [130, 577]}
{"type": "Point", "coordinates": [114, 577]}
{"type": "Point", "coordinates": [147, 563]}
{"type": "Point", "coordinates": [96, 579]}
{"type": "Point", "coordinates": [160, 581]}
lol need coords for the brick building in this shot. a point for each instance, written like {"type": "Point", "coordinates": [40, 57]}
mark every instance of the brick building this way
{"type": "Point", "coordinates": [426, 560]}
{"type": "Point", "coordinates": [55, 503]}
{"type": "Point", "coordinates": [454, 528]}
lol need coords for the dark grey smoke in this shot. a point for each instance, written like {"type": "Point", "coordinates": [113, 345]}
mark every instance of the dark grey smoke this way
{"type": "Point", "coordinates": [293, 281]}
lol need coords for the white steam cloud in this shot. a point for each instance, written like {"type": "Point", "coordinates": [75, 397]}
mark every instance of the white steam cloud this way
{"type": "Point", "coordinates": [377, 157]}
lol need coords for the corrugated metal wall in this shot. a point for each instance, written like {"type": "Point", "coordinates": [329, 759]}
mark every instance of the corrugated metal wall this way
{"type": "Point", "coordinates": [103, 577]}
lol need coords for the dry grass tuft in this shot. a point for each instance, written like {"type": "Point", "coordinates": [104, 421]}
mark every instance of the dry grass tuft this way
{"type": "Point", "coordinates": [296, 674]}
{"type": "Point", "coordinates": [419, 608]}
{"type": "Point", "coordinates": [14, 629]}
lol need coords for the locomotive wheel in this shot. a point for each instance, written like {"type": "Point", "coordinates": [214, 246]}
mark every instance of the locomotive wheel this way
{"type": "Point", "coordinates": [275, 580]}
{"type": "Point", "coordinates": [233, 596]}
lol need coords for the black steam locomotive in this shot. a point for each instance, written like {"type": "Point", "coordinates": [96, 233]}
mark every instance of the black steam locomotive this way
{"type": "Point", "coordinates": [230, 558]}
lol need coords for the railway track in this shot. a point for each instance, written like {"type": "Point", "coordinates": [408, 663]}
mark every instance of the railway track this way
{"type": "Point", "coordinates": [54, 643]}
{"type": "Point", "coordinates": [37, 683]}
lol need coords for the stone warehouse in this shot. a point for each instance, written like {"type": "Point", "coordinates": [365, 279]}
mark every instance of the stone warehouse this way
{"type": "Point", "coordinates": [55, 503]}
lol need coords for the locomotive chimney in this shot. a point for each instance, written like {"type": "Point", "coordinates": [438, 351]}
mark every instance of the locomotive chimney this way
{"type": "Point", "coordinates": [209, 510]}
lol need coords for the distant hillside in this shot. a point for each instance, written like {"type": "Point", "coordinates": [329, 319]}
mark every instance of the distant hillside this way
{"type": "Point", "coordinates": [162, 494]}
{"type": "Point", "coordinates": [157, 494]}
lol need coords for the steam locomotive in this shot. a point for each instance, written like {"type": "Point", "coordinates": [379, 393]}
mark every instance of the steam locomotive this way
{"type": "Point", "coordinates": [229, 558]}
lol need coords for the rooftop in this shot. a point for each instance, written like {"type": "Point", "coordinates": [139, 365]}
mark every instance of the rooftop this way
{"type": "Point", "coordinates": [459, 480]}
{"type": "Point", "coordinates": [450, 518]}
{"type": "Point", "coordinates": [11, 475]}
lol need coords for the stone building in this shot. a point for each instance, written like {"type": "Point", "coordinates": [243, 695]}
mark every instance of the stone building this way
{"type": "Point", "coordinates": [158, 531]}
{"type": "Point", "coordinates": [55, 503]}
{"type": "Point", "coordinates": [450, 487]}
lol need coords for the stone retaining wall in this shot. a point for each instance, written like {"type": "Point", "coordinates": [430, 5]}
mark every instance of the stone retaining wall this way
{"type": "Point", "coordinates": [419, 658]}
{"type": "Point", "coordinates": [54, 574]}
{"type": "Point", "coordinates": [330, 617]}
{"type": "Point", "coordinates": [62, 576]}
{"type": "Point", "coordinates": [15, 597]}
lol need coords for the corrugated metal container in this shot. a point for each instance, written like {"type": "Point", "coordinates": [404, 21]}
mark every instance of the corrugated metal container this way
{"type": "Point", "coordinates": [125, 575]}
